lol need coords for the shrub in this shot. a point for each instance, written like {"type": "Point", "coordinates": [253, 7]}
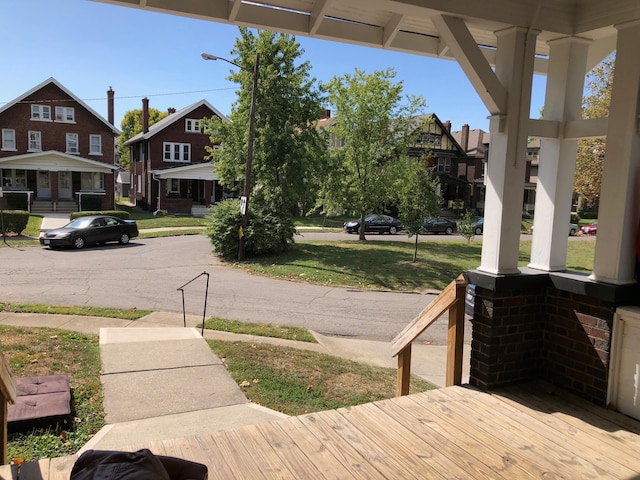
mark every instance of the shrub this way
{"type": "Point", "coordinates": [14, 221]}
{"type": "Point", "coordinates": [114, 213]}
{"type": "Point", "coordinates": [575, 218]}
{"type": "Point", "coordinates": [17, 201]}
{"type": "Point", "coordinates": [466, 228]}
{"type": "Point", "coordinates": [266, 232]}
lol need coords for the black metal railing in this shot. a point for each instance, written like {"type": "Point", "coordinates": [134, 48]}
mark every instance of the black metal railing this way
{"type": "Point", "coordinates": [206, 294]}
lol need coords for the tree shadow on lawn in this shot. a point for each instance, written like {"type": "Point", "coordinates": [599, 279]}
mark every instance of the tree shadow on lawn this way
{"type": "Point", "coordinates": [371, 264]}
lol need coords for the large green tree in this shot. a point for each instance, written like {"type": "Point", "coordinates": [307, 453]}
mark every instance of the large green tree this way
{"type": "Point", "coordinates": [375, 124]}
{"type": "Point", "coordinates": [590, 157]}
{"type": "Point", "coordinates": [130, 126]}
{"type": "Point", "coordinates": [288, 152]}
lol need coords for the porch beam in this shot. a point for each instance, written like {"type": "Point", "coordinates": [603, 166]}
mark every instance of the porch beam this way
{"type": "Point", "coordinates": [465, 49]}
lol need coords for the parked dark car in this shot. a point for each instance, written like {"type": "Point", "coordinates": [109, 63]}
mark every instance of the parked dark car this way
{"type": "Point", "coordinates": [91, 230]}
{"type": "Point", "coordinates": [478, 226]}
{"type": "Point", "coordinates": [439, 225]}
{"type": "Point", "coordinates": [375, 223]}
{"type": "Point", "coordinates": [590, 229]}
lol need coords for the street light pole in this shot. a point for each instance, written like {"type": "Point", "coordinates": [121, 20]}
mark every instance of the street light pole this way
{"type": "Point", "coordinates": [247, 166]}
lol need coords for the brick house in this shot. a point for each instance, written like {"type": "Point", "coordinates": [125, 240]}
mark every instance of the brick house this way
{"type": "Point", "coordinates": [57, 153]}
{"type": "Point", "coordinates": [169, 170]}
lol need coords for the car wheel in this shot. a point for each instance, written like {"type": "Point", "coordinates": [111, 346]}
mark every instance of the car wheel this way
{"type": "Point", "coordinates": [124, 239]}
{"type": "Point", "coordinates": [572, 232]}
{"type": "Point", "coordinates": [449, 231]}
{"type": "Point", "coordinates": [478, 231]}
{"type": "Point", "coordinates": [79, 242]}
{"type": "Point", "coordinates": [392, 230]}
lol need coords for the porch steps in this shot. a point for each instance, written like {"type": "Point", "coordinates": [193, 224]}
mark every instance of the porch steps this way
{"type": "Point", "coordinates": [200, 210]}
{"type": "Point", "coordinates": [46, 206]}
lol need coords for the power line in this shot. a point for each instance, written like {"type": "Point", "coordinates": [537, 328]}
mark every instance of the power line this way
{"type": "Point", "coordinates": [125, 97]}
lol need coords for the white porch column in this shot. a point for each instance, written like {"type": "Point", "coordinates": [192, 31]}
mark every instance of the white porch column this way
{"type": "Point", "coordinates": [507, 153]}
{"type": "Point", "coordinates": [563, 102]}
{"type": "Point", "coordinates": [620, 191]}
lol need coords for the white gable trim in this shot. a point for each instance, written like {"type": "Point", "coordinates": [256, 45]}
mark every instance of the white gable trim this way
{"type": "Point", "coordinates": [56, 162]}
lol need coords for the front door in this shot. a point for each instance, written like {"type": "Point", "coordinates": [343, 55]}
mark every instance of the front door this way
{"type": "Point", "coordinates": [64, 186]}
{"type": "Point", "coordinates": [44, 185]}
{"type": "Point", "coordinates": [624, 381]}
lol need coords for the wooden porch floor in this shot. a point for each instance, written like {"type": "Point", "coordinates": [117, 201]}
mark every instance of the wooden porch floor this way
{"type": "Point", "coordinates": [524, 432]}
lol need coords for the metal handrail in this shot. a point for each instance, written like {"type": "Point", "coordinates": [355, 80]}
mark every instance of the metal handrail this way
{"type": "Point", "coordinates": [206, 295]}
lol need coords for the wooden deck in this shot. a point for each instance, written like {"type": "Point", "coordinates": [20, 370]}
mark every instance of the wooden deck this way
{"type": "Point", "coordinates": [535, 431]}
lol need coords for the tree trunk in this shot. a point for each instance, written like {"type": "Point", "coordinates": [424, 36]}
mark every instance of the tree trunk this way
{"type": "Point", "coordinates": [415, 250]}
{"type": "Point", "coordinates": [361, 229]}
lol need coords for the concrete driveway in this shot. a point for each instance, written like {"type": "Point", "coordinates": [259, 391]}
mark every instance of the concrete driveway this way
{"type": "Point", "coordinates": [147, 273]}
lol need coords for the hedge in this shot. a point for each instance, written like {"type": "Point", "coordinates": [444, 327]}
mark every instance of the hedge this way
{"type": "Point", "coordinates": [114, 213]}
{"type": "Point", "coordinates": [14, 221]}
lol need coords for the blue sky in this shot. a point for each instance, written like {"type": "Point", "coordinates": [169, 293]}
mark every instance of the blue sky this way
{"type": "Point", "coordinates": [89, 46]}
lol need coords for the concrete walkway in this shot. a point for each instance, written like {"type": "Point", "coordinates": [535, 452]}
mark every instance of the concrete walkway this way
{"type": "Point", "coordinates": [162, 380]}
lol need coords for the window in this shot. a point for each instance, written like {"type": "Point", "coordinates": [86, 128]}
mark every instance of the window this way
{"type": "Point", "coordinates": [95, 144]}
{"type": "Point", "coordinates": [72, 143]}
{"type": "Point", "coordinates": [173, 186]}
{"type": "Point", "coordinates": [177, 152]}
{"type": "Point", "coordinates": [41, 112]}
{"type": "Point", "coordinates": [431, 138]}
{"type": "Point", "coordinates": [192, 125]}
{"type": "Point", "coordinates": [35, 141]}
{"type": "Point", "coordinates": [8, 139]}
{"type": "Point", "coordinates": [14, 179]}
{"type": "Point", "coordinates": [92, 181]}
{"type": "Point", "coordinates": [444, 165]}
{"type": "Point", "coordinates": [65, 114]}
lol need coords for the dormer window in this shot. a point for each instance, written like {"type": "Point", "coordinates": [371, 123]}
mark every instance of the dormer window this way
{"type": "Point", "coordinates": [65, 114]}
{"type": "Point", "coordinates": [41, 112]}
{"type": "Point", "coordinates": [192, 125]}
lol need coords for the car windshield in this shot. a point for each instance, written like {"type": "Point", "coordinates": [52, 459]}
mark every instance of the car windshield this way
{"type": "Point", "coordinates": [82, 222]}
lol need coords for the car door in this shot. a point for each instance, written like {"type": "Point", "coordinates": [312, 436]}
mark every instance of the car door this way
{"type": "Point", "coordinates": [95, 232]}
{"type": "Point", "coordinates": [113, 229]}
{"type": "Point", "coordinates": [378, 223]}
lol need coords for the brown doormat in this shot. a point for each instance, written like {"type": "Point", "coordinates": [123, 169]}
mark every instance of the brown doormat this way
{"type": "Point", "coordinates": [40, 402]}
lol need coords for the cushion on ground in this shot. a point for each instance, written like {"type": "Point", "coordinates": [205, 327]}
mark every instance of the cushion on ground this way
{"type": "Point", "coordinates": [40, 401]}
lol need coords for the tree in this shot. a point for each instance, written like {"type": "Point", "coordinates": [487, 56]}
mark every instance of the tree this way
{"type": "Point", "coordinates": [374, 129]}
{"type": "Point", "coordinates": [416, 196]}
{"type": "Point", "coordinates": [590, 156]}
{"type": "Point", "coordinates": [288, 152]}
{"type": "Point", "coordinates": [130, 126]}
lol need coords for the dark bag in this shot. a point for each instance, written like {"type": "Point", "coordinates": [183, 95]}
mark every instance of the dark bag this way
{"type": "Point", "coordinates": [140, 465]}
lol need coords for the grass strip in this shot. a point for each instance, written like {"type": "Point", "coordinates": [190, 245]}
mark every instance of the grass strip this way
{"type": "Point", "coordinates": [259, 329]}
{"type": "Point", "coordinates": [131, 314]}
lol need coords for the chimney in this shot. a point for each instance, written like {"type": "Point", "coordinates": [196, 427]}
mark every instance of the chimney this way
{"type": "Point", "coordinates": [110, 115]}
{"type": "Point", "coordinates": [447, 126]}
{"type": "Point", "coordinates": [326, 114]}
{"type": "Point", "coordinates": [171, 110]}
{"type": "Point", "coordinates": [464, 139]}
{"type": "Point", "coordinates": [145, 115]}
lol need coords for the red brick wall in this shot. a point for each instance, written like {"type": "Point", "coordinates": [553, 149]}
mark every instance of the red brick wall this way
{"type": "Point", "coordinates": [577, 342]}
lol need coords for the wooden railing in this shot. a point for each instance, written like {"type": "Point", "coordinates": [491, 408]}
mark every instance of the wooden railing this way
{"type": "Point", "coordinates": [7, 395]}
{"type": "Point", "coordinates": [452, 299]}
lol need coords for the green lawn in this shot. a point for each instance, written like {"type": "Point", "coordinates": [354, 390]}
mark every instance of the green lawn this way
{"type": "Point", "coordinates": [387, 264]}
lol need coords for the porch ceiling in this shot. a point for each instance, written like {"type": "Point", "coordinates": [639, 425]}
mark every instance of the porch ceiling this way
{"type": "Point", "coordinates": [408, 25]}
{"type": "Point", "coordinates": [56, 162]}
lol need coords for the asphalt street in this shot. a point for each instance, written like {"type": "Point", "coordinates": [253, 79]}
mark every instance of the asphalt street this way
{"type": "Point", "coordinates": [147, 273]}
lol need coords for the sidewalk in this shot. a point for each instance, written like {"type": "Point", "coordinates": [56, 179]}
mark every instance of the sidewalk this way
{"type": "Point", "coordinates": [162, 381]}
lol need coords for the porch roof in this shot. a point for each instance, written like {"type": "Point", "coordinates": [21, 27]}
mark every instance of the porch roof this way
{"type": "Point", "coordinates": [198, 171]}
{"type": "Point", "coordinates": [55, 161]}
